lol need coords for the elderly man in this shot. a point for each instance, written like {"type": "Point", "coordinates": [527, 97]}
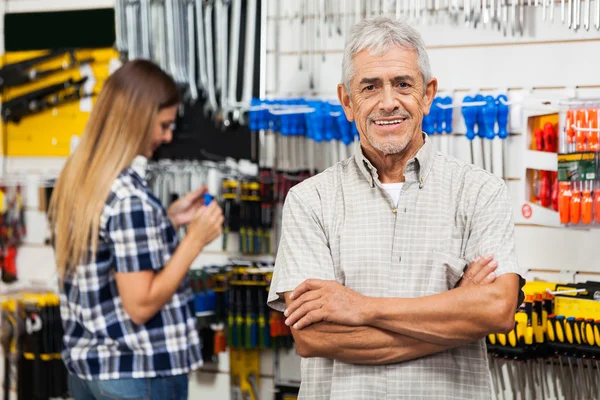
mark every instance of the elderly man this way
{"type": "Point", "coordinates": [373, 249]}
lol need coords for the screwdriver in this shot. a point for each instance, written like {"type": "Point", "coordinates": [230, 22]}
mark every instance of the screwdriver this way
{"type": "Point", "coordinates": [470, 116]}
{"type": "Point", "coordinates": [529, 311]}
{"type": "Point", "coordinates": [251, 325]}
{"type": "Point", "coordinates": [564, 202]}
{"type": "Point", "coordinates": [549, 138]}
{"type": "Point", "coordinates": [597, 332]}
{"type": "Point", "coordinates": [570, 131]}
{"type": "Point", "coordinates": [545, 189]}
{"type": "Point", "coordinates": [586, 204]}
{"type": "Point", "coordinates": [550, 327]}
{"type": "Point", "coordinates": [539, 139]}
{"type": "Point", "coordinates": [578, 329]}
{"type": "Point", "coordinates": [589, 331]}
{"type": "Point", "coordinates": [592, 136]}
{"type": "Point", "coordinates": [580, 136]}
{"type": "Point", "coordinates": [569, 329]}
{"type": "Point", "coordinates": [229, 197]}
{"type": "Point", "coordinates": [559, 329]}
{"type": "Point", "coordinates": [554, 195]}
{"type": "Point", "coordinates": [539, 324]}
{"type": "Point", "coordinates": [575, 211]}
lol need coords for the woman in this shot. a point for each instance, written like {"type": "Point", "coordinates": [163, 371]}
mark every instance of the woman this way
{"type": "Point", "coordinates": [125, 298]}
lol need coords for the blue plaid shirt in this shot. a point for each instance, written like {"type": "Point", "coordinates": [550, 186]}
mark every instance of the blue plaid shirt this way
{"type": "Point", "coordinates": [100, 340]}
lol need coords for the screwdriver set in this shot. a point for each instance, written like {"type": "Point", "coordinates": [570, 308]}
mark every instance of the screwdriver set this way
{"type": "Point", "coordinates": [231, 304]}
{"type": "Point", "coordinates": [556, 336]}
{"type": "Point", "coordinates": [578, 165]}
{"type": "Point", "coordinates": [31, 336]}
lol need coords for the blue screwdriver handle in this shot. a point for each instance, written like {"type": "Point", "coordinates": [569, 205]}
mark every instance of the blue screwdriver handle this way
{"type": "Point", "coordinates": [490, 112]}
{"type": "Point", "coordinates": [502, 117]}
{"type": "Point", "coordinates": [447, 113]}
{"type": "Point", "coordinates": [480, 123]}
{"type": "Point", "coordinates": [470, 116]}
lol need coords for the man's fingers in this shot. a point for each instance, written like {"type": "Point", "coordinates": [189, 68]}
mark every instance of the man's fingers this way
{"type": "Point", "coordinates": [476, 266]}
{"type": "Point", "coordinates": [309, 284]}
{"type": "Point", "coordinates": [301, 312]}
{"type": "Point", "coordinates": [489, 279]}
{"type": "Point", "coordinates": [306, 297]}
{"type": "Point", "coordinates": [485, 271]}
{"type": "Point", "coordinates": [311, 318]}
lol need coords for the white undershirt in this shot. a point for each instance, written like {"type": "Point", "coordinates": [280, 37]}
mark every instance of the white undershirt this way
{"type": "Point", "coordinates": [394, 190]}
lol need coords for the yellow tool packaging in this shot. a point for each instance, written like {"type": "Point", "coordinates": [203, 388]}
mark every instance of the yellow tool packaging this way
{"type": "Point", "coordinates": [47, 97]}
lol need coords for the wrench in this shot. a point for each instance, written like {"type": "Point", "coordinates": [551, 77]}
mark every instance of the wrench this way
{"type": "Point", "coordinates": [202, 74]}
{"type": "Point", "coordinates": [191, 49]}
{"type": "Point", "coordinates": [211, 105]}
{"type": "Point", "coordinates": [249, 52]}
{"type": "Point", "coordinates": [562, 11]}
{"type": "Point", "coordinates": [597, 24]}
{"type": "Point", "coordinates": [145, 27]}
{"type": "Point", "coordinates": [586, 20]}
{"type": "Point", "coordinates": [131, 17]}
{"type": "Point", "coordinates": [234, 52]}
{"type": "Point", "coordinates": [552, 10]}
{"type": "Point", "coordinates": [121, 25]}
{"type": "Point", "coordinates": [570, 14]}
{"type": "Point", "coordinates": [223, 24]}
{"type": "Point", "coordinates": [171, 41]}
{"type": "Point", "coordinates": [218, 6]}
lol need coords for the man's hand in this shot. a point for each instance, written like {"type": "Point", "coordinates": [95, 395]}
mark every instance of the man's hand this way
{"type": "Point", "coordinates": [317, 300]}
{"type": "Point", "coordinates": [480, 272]}
{"type": "Point", "coordinates": [182, 211]}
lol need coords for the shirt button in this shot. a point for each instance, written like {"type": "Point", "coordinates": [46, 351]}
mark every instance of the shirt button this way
{"type": "Point", "coordinates": [394, 210]}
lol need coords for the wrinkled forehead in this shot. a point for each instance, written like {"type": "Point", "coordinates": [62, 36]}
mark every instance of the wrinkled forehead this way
{"type": "Point", "coordinates": [396, 61]}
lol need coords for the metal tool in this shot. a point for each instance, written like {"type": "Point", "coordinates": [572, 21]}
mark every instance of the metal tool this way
{"type": "Point", "coordinates": [121, 26]}
{"type": "Point", "coordinates": [132, 12]}
{"type": "Point", "coordinates": [597, 24]}
{"type": "Point", "coordinates": [191, 70]}
{"type": "Point", "coordinates": [570, 14]}
{"type": "Point", "coordinates": [234, 50]}
{"type": "Point", "coordinates": [249, 52]}
{"type": "Point", "coordinates": [210, 107]}
{"type": "Point", "coordinates": [146, 35]}
{"type": "Point", "coordinates": [223, 27]}
{"type": "Point", "coordinates": [201, 44]}
{"type": "Point", "coordinates": [586, 19]}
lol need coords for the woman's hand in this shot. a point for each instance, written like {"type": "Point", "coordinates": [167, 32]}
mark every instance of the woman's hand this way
{"type": "Point", "coordinates": [182, 211]}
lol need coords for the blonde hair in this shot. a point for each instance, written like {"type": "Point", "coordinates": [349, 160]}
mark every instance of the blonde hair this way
{"type": "Point", "coordinates": [119, 129]}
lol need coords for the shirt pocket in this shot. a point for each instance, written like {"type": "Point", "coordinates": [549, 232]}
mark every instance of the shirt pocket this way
{"type": "Point", "coordinates": [446, 271]}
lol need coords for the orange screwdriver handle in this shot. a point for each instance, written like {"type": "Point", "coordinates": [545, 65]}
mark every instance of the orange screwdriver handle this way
{"type": "Point", "coordinates": [564, 202]}
{"type": "Point", "coordinates": [580, 136]}
{"type": "Point", "coordinates": [586, 206]}
{"type": "Point", "coordinates": [554, 191]}
{"type": "Point", "coordinates": [592, 136]}
{"type": "Point", "coordinates": [575, 205]}
{"type": "Point", "coordinates": [596, 206]}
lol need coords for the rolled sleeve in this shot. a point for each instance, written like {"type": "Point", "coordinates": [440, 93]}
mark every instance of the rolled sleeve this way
{"type": "Point", "coordinates": [493, 230]}
{"type": "Point", "coordinates": [303, 251]}
{"type": "Point", "coordinates": [135, 236]}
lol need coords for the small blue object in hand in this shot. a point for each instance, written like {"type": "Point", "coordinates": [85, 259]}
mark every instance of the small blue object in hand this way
{"type": "Point", "coordinates": [207, 199]}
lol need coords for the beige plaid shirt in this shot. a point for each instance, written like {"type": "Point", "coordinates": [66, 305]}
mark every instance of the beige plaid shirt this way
{"type": "Point", "coordinates": [343, 225]}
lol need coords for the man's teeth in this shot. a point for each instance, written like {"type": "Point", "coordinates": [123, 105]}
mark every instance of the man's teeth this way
{"type": "Point", "coordinates": [397, 121]}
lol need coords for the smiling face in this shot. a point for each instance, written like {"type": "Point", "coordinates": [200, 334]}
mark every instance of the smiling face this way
{"type": "Point", "coordinates": [387, 99]}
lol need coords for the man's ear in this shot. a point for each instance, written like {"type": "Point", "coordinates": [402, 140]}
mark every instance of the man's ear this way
{"type": "Point", "coordinates": [429, 95]}
{"type": "Point", "coordinates": [344, 98]}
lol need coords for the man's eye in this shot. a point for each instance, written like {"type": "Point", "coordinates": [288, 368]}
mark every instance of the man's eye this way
{"type": "Point", "coordinates": [403, 85]}
{"type": "Point", "coordinates": [369, 88]}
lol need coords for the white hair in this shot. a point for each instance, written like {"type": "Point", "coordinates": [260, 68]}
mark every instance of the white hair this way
{"type": "Point", "coordinates": [378, 35]}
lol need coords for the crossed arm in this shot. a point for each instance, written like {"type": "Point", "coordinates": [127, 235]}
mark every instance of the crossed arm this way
{"type": "Point", "coordinates": [331, 321]}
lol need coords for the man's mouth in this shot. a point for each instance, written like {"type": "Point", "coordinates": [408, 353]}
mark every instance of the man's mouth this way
{"type": "Point", "coordinates": [396, 121]}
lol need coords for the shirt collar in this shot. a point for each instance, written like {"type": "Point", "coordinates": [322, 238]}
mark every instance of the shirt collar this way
{"type": "Point", "coordinates": [139, 165]}
{"type": "Point", "coordinates": [417, 168]}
